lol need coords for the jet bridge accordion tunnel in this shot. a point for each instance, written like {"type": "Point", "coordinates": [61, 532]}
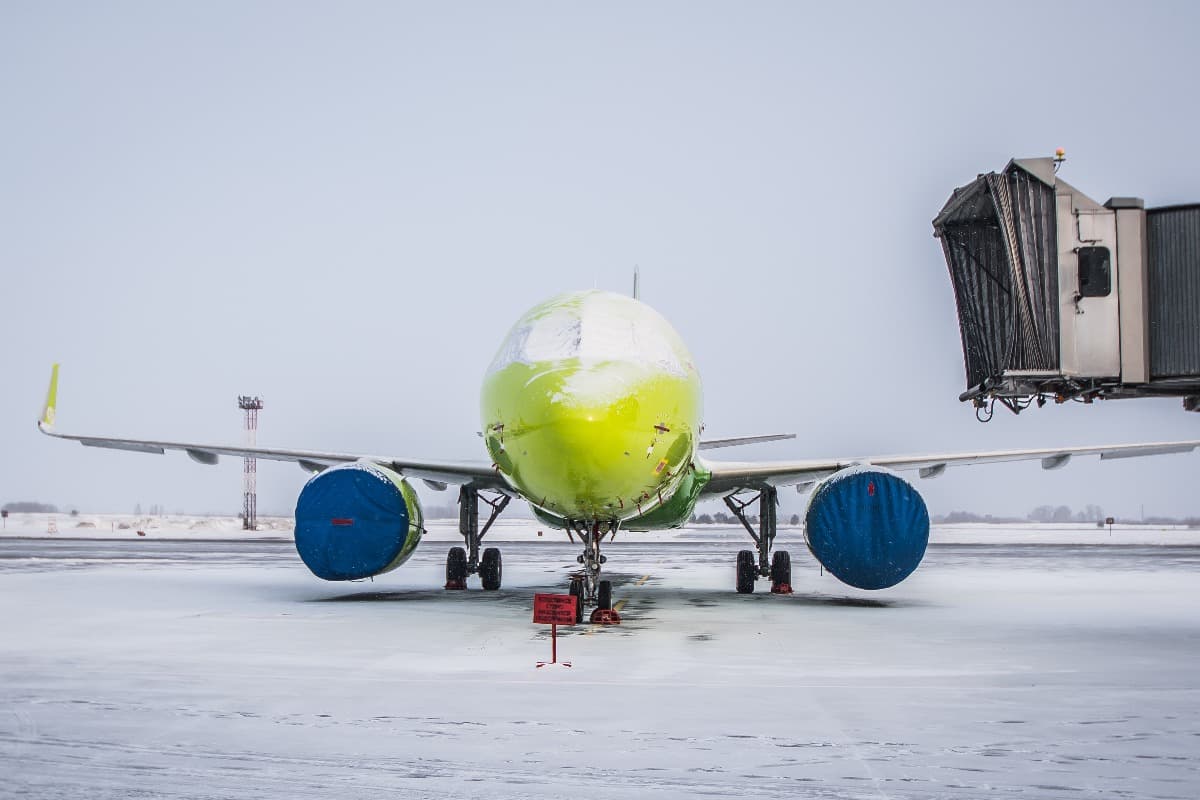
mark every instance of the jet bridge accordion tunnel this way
{"type": "Point", "coordinates": [1063, 298]}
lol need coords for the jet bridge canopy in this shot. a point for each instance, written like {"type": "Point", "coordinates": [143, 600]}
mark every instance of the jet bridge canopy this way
{"type": "Point", "coordinates": [1060, 297]}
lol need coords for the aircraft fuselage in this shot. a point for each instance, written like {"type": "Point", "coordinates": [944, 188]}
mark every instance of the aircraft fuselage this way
{"type": "Point", "coordinates": [591, 410]}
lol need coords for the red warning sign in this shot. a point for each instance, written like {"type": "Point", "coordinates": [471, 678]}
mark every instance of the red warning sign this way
{"type": "Point", "coordinates": [554, 609]}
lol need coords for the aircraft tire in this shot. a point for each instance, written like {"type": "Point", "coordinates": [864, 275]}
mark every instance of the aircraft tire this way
{"type": "Point", "coordinates": [456, 568]}
{"type": "Point", "coordinates": [491, 568]}
{"type": "Point", "coordinates": [604, 595]}
{"type": "Point", "coordinates": [781, 568]}
{"type": "Point", "coordinates": [746, 571]}
{"type": "Point", "coordinates": [576, 591]}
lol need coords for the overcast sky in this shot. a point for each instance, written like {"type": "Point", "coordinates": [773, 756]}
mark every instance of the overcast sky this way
{"type": "Point", "coordinates": [343, 207]}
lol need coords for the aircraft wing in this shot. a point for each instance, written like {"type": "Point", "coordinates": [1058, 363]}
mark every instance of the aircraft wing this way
{"type": "Point", "coordinates": [737, 441]}
{"type": "Point", "coordinates": [437, 474]}
{"type": "Point", "coordinates": [730, 476]}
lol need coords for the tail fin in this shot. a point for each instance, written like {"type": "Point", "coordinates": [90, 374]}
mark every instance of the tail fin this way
{"type": "Point", "coordinates": [46, 422]}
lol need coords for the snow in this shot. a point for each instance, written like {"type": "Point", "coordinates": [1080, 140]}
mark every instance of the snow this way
{"type": "Point", "coordinates": [176, 527]}
{"type": "Point", "coordinates": [220, 668]}
{"type": "Point", "coordinates": [592, 327]}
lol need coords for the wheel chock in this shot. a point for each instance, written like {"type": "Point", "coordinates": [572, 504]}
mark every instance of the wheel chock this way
{"type": "Point", "coordinates": [605, 616]}
{"type": "Point", "coordinates": [781, 588]}
{"type": "Point", "coordinates": [456, 584]}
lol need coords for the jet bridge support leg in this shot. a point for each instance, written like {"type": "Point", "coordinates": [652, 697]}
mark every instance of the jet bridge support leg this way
{"type": "Point", "coordinates": [777, 567]}
{"type": "Point", "coordinates": [461, 562]}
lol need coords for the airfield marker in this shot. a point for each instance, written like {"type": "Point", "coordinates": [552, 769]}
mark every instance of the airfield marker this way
{"type": "Point", "coordinates": [554, 610]}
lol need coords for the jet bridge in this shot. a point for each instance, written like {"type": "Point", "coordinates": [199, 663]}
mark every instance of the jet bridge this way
{"type": "Point", "coordinates": [1063, 298]}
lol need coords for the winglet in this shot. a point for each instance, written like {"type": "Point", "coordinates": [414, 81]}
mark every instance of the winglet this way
{"type": "Point", "coordinates": [46, 422]}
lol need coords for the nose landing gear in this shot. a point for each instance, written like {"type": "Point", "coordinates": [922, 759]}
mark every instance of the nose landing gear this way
{"type": "Point", "coordinates": [586, 584]}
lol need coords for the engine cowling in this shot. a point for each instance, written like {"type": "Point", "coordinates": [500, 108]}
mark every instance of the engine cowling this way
{"type": "Point", "coordinates": [357, 520]}
{"type": "Point", "coordinates": [868, 526]}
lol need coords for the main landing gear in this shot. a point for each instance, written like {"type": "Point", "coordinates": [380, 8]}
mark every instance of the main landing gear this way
{"type": "Point", "coordinates": [778, 567]}
{"type": "Point", "coordinates": [462, 562]}
{"type": "Point", "coordinates": [586, 584]}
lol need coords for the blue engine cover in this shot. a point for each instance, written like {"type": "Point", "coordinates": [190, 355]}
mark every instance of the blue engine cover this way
{"type": "Point", "coordinates": [867, 527]}
{"type": "Point", "coordinates": [356, 520]}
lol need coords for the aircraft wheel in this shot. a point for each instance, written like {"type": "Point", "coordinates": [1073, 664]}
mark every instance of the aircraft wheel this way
{"type": "Point", "coordinates": [604, 595]}
{"type": "Point", "coordinates": [781, 567]}
{"type": "Point", "coordinates": [746, 571]}
{"type": "Point", "coordinates": [576, 591]}
{"type": "Point", "coordinates": [490, 568]}
{"type": "Point", "coordinates": [456, 568]}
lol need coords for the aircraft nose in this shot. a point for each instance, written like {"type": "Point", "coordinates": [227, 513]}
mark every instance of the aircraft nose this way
{"type": "Point", "coordinates": [586, 451]}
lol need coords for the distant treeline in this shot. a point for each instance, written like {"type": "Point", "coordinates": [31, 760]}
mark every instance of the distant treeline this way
{"type": "Point", "coordinates": [1191, 522]}
{"type": "Point", "coordinates": [1090, 513]}
{"type": "Point", "coordinates": [29, 507]}
{"type": "Point", "coordinates": [957, 517]}
{"type": "Point", "coordinates": [1059, 514]}
{"type": "Point", "coordinates": [721, 518]}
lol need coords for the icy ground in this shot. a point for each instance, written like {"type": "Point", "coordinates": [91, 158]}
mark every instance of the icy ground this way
{"type": "Point", "coordinates": [182, 526]}
{"type": "Point", "coordinates": [206, 669]}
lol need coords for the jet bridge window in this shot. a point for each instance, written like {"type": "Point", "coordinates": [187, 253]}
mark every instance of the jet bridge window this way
{"type": "Point", "coordinates": [1095, 272]}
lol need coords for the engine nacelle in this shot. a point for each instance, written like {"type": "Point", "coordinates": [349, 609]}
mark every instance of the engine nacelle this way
{"type": "Point", "coordinates": [867, 526]}
{"type": "Point", "coordinates": [357, 520]}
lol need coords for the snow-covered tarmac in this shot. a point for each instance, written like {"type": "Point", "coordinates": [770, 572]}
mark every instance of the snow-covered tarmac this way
{"type": "Point", "coordinates": [151, 667]}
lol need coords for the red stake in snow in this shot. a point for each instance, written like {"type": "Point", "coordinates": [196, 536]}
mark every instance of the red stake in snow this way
{"type": "Point", "coordinates": [554, 610]}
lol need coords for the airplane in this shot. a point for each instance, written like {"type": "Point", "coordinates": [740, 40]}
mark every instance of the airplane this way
{"type": "Point", "coordinates": [592, 414]}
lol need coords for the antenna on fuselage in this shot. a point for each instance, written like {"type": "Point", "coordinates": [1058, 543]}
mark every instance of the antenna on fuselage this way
{"type": "Point", "coordinates": [636, 290]}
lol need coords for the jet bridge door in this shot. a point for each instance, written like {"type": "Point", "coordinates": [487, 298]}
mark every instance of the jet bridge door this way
{"type": "Point", "coordinates": [1088, 286]}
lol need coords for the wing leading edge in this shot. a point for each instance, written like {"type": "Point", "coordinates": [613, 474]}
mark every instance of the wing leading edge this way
{"type": "Point", "coordinates": [436, 473]}
{"type": "Point", "coordinates": [729, 476]}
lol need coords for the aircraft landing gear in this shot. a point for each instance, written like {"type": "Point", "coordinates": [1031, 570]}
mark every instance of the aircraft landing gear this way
{"type": "Point", "coordinates": [586, 584]}
{"type": "Point", "coordinates": [461, 562]}
{"type": "Point", "coordinates": [749, 568]}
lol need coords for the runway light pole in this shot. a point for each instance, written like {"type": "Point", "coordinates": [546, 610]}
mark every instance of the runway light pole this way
{"type": "Point", "coordinates": [250, 405]}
